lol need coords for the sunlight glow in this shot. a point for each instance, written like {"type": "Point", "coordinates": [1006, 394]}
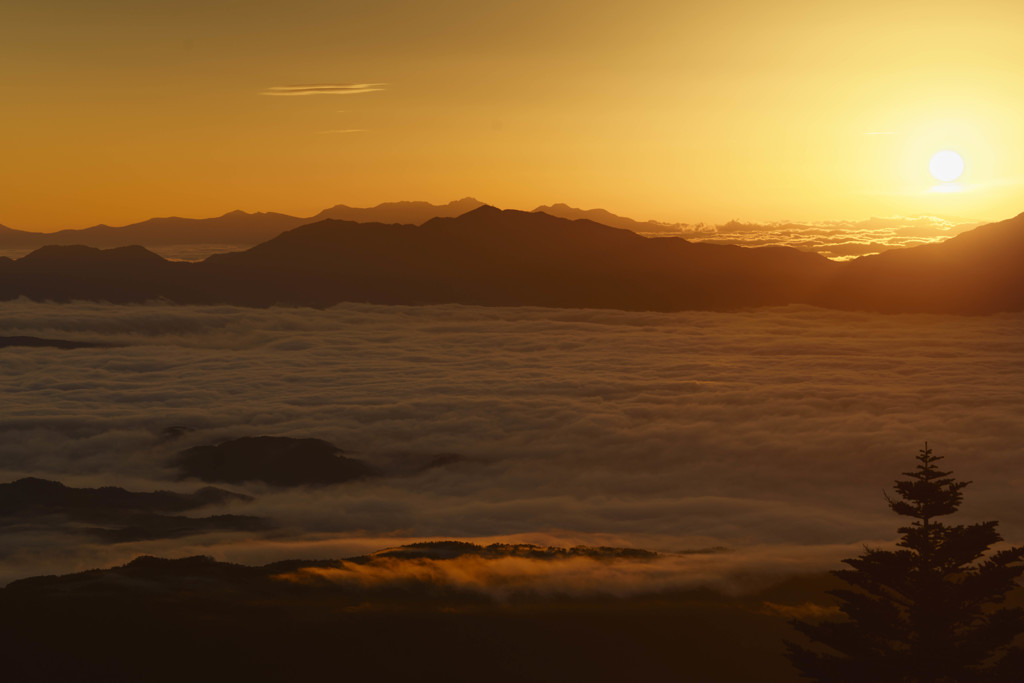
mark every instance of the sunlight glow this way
{"type": "Point", "coordinates": [946, 166]}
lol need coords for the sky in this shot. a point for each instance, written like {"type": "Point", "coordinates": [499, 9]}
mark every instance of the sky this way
{"type": "Point", "coordinates": [773, 433]}
{"type": "Point", "coordinates": [115, 111]}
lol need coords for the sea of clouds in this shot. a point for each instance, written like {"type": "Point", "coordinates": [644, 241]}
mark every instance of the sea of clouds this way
{"type": "Point", "coordinates": [837, 240]}
{"type": "Point", "coordinates": [773, 433]}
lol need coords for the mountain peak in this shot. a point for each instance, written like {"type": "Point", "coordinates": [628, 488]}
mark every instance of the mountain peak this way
{"type": "Point", "coordinates": [59, 253]}
{"type": "Point", "coordinates": [404, 212]}
{"type": "Point", "coordinates": [466, 201]}
{"type": "Point", "coordinates": [605, 217]}
{"type": "Point", "coordinates": [484, 210]}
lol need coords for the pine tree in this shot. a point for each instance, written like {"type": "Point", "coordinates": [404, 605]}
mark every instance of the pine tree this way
{"type": "Point", "coordinates": [929, 612]}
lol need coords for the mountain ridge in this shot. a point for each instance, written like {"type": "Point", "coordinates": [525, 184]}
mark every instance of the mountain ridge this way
{"type": "Point", "coordinates": [495, 257]}
{"type": "Point", "coordinates": [605, 217]}
{"type": "Point", "coordinates": [237, 228]}
{"type": "Point", "coordinates": [193, 239]}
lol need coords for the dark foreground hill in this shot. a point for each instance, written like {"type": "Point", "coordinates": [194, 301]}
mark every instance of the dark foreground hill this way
{"type": "Point", "coordinates": [510, 258]}
{"type": "Point", "coordinates": [514, 258]}
{"type": "Point", "coordinates": [199, 620]}
{"type": "Point", "coordinates": [976, 272]}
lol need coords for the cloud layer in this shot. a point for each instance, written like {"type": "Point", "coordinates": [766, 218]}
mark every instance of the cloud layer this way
{"type": "Point", "coordinates": [777, 428]}
{"type": "Point", "coordinates": [837, 240]}
{"type": "Point", "coordinates": [323, 89]}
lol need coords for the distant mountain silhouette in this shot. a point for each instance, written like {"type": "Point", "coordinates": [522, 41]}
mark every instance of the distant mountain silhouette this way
{"type": "Point", "coordinates": [120, 515]}
{"type": "Point", "coordinates": [408, 213]}
{"type": "Point", "coordinates": [515, 258]}
{"type": "Point", "coordinates": [119, 275]}
{"type": "Point", "coordinates": [280, 461]}
{"type": "Point", "coordinates": [237, 229]}
{"type": "Point", "coordinates": [19, 239]}
{"type": "Point", "coordinates": [608, 218]}
{"type": "Point", "coordinates": [234, 228]}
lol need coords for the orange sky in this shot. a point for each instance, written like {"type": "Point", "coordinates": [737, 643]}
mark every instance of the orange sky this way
{"type": "Point", "coordinates": [119, 110]}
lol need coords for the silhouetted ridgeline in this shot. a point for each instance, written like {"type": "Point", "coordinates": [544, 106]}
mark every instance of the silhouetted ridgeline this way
{"type": "Point", "coordinates": [235, 227]}
{"type": "Point", "coordinates": [978, 271]}
{"type": "Point", "coordinates": [514, 258]}
{"type": "Point", "coordinates": [199, 620]}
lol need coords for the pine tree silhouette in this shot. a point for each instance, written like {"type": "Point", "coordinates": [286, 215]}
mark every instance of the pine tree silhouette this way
{"type": "Point", "coordinates": [929, 612]}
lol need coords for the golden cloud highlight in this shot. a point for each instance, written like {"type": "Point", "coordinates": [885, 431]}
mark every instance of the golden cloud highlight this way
{"type": "Point", "coordinates": [503, 577]}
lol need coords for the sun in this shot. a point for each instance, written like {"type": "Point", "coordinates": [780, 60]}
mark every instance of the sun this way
{"type": "Point", "coordinates": [946, 166]}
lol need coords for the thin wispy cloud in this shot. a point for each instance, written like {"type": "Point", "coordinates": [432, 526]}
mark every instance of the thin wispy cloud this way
{"type": "Point", "coordinates": [324, 89]}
